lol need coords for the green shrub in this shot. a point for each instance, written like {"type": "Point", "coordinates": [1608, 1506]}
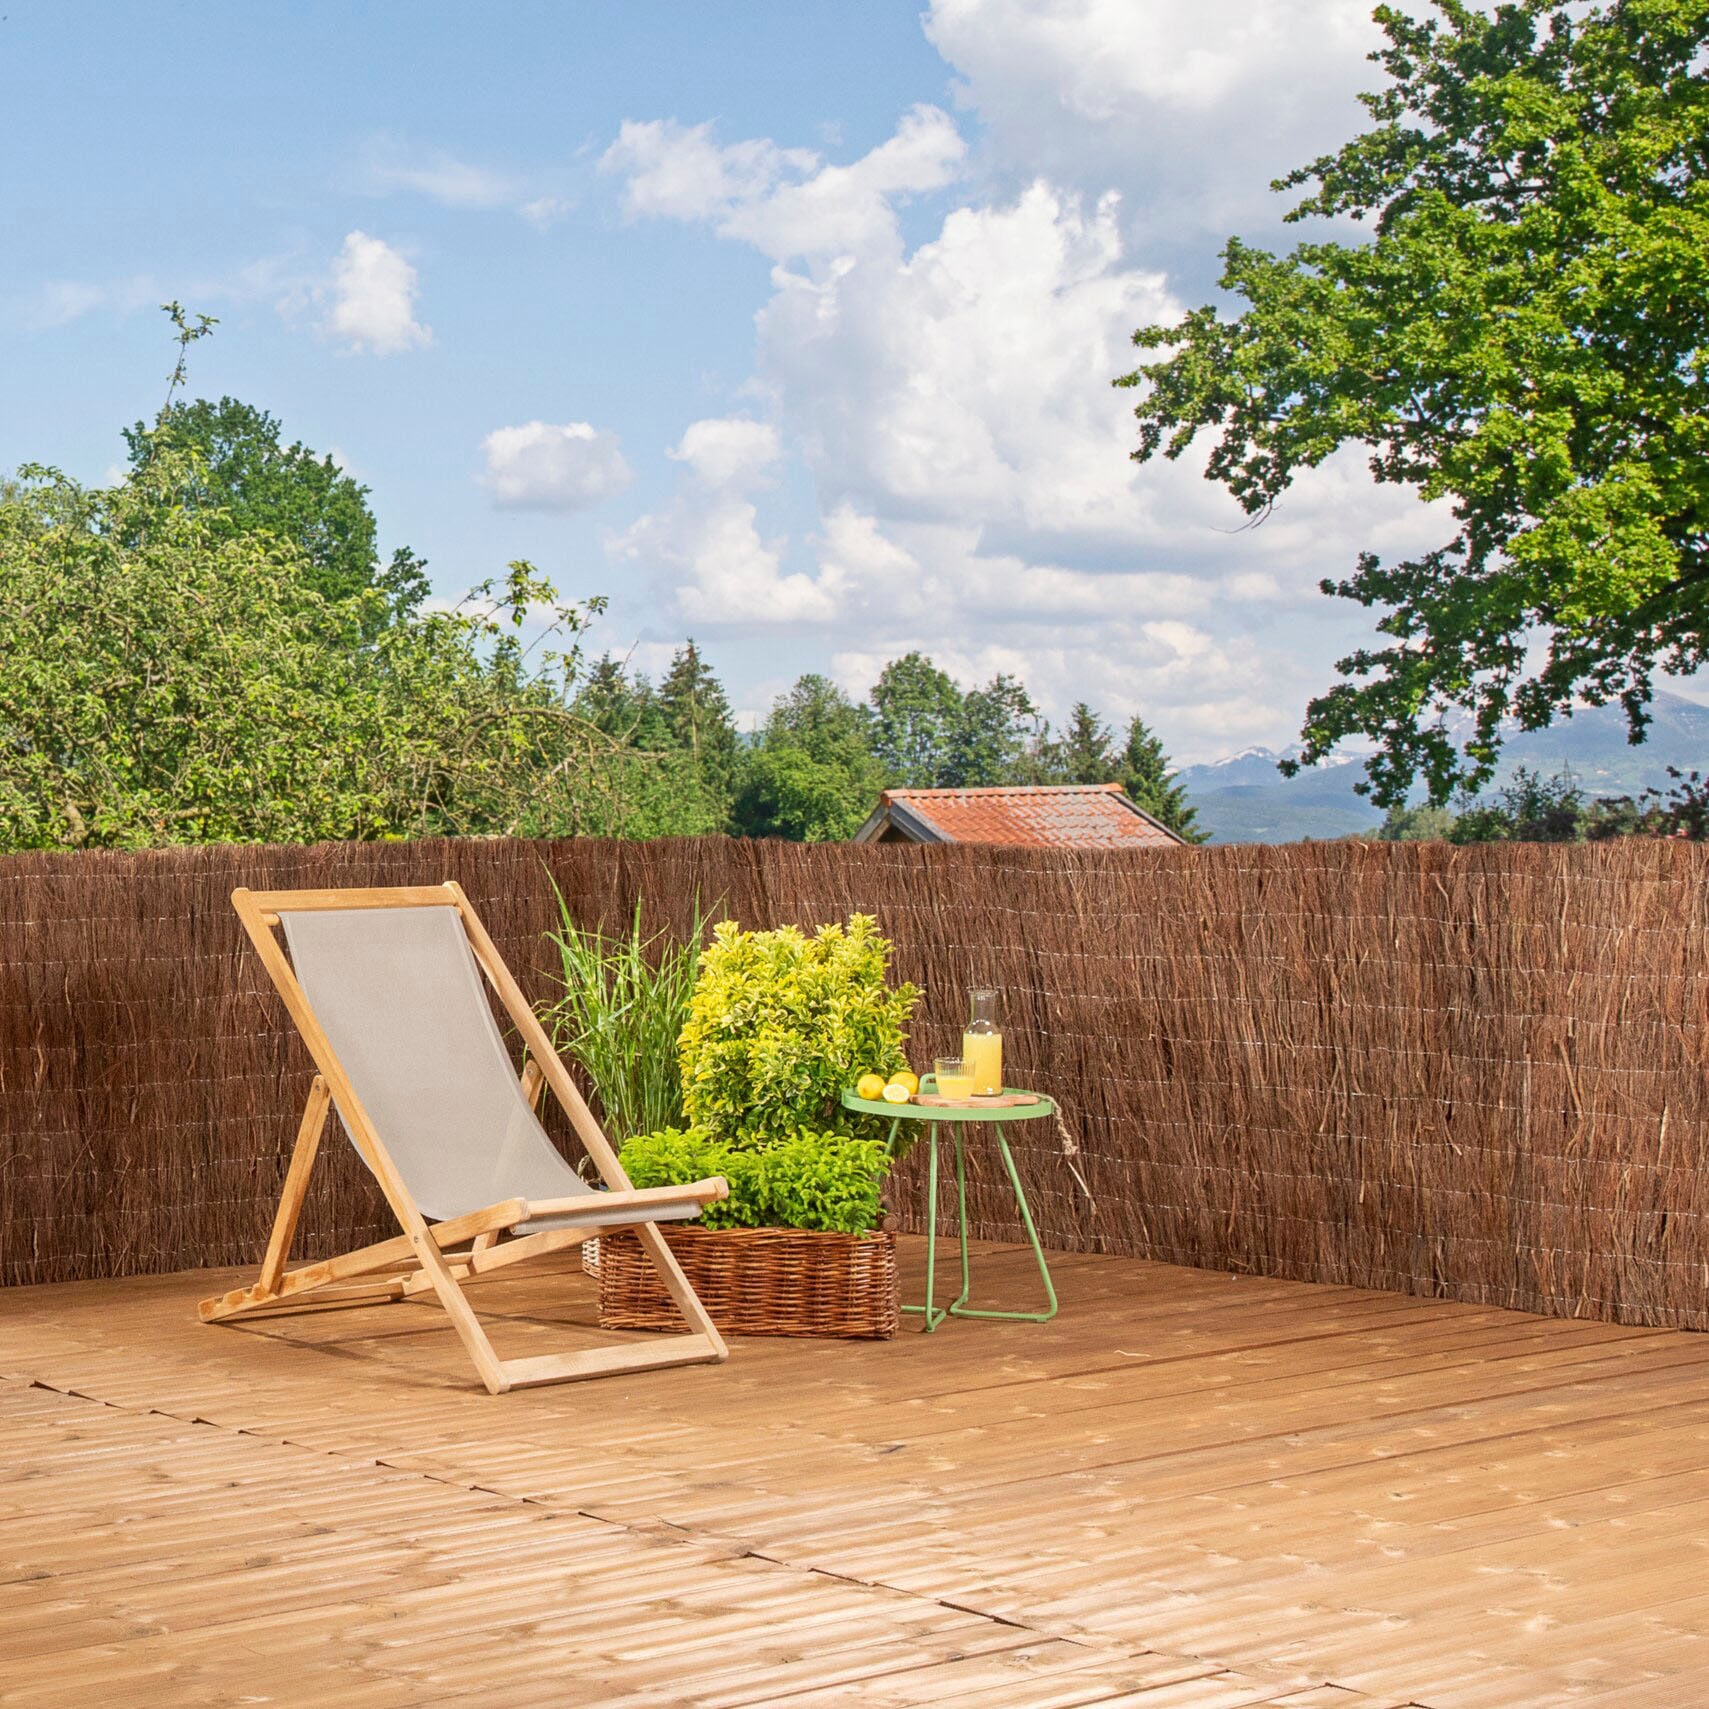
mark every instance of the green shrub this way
{"type": "Point", "coordinates": [821, 1181]}
{"type": "Point", "coordinates": [780, 1023]}
{"type": "Point", "coordinates": [672, 1156]}
{"type": "Point", "coordinates": [625, 997]}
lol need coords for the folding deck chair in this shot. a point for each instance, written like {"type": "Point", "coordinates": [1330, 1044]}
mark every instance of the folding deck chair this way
{"type": "Point", "coordinates": [385, 988]}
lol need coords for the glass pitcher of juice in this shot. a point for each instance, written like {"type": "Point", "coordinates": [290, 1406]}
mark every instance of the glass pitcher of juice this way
{"type": "Point", "coordinates": [982, 1044]}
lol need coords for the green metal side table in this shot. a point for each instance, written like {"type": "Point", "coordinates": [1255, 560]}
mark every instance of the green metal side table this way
{"type": "Point", "coordinates": [959, 1120]}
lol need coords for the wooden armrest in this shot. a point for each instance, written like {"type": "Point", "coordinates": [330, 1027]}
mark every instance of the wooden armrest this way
{"type": "Point", "coordinates": [705, 1192]}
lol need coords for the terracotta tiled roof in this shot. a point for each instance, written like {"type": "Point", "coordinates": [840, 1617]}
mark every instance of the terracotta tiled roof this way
{"type": "Point", "coordinates": [1087, 816]}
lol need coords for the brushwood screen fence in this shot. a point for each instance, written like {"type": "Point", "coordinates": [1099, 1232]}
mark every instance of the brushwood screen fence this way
{"type": "Point", "coordinates": [1478, 1073]}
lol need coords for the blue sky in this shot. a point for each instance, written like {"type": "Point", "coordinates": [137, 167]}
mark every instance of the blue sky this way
{"type": "Point", "coordinates": [788, 326]}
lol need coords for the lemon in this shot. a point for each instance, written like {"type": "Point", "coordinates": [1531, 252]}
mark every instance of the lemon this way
{"type": "Point", "coordinates": [904, 1077]}
{"type": "Point", "coordinates": [896, 1093]}
{"type": "Point", "coordinates": [870, 1086]}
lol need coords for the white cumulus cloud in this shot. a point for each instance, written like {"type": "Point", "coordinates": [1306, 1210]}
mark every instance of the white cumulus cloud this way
{"type": "Point", "coordinates": [1189, 110]}
{"type": "Point", "coordinates": [704, 552]}
{"type": "Point", "coordinates": [785, 201]}
{"type": "Point", "coordinates": [372, 298]}
{"type": "Point", "coordinates": [545, 466]}
{"type": "Point", "coordinates": [728, 451]}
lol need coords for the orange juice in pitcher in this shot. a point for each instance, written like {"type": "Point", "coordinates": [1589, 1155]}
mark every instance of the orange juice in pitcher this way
{"type": "Point", "coordinates": [982, 1044]}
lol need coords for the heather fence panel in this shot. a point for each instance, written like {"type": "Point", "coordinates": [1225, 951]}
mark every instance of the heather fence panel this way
{"type": "Point", "coordinates": [1478, 1073]}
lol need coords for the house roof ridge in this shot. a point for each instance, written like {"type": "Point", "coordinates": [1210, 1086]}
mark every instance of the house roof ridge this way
{"type": "Point", "coordinates": [1011, 789]}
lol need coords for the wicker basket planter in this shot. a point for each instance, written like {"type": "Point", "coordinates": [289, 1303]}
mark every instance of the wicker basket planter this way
{"type": "Point", "coordinates": [758, 1281]}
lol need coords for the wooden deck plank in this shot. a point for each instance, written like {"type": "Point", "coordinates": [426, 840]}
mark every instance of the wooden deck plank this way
{"type": "Point", "coordinates": [1189, 1490]}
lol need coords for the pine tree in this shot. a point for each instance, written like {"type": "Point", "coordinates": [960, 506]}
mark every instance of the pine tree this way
{"type": "Point", "coordinates": [622, 706]}
{"type": "Point", "coordinates": [1084, 752]}
{"type": "Point", "coordinates": [1149, 778]}
{"type": "Point", "coordinates": [696, 712]}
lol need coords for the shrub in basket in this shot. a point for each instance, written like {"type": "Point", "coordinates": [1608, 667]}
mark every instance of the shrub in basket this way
{"type": "Point", "coordinates": [778, 1024]}
{"type": "Point", "coordinates": [823, 1182]}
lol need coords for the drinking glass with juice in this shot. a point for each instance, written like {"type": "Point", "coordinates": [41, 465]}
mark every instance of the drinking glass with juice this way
{"type": "Point", "coordinates": [982, 1044]}
{"type": "Point", "coordinates": [953, 1080]}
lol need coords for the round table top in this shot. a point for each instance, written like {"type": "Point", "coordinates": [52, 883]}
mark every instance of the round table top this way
{"type": "Point", "coordinates": [952, 1113]}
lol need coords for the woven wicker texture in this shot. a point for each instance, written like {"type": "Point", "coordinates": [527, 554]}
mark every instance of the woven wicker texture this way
{"type": "Point", "coordinates": [758, 1281]}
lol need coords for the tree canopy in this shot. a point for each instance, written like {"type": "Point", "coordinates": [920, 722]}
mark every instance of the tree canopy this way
{"type": "Point", "coordinates": [812, 775]}
{"type": "Point", "coordinates": [928, 734]}
{"type": "Point", "coordinates": [245, 480]}
{"type": "Point", "coordinates": [1525, 335]}
{"type": "Point", "coordinates": [166, 678]}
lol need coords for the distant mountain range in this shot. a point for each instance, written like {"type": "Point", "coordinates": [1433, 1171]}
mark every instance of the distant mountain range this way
{"type": "Point", "coordinates": [1244, 799]}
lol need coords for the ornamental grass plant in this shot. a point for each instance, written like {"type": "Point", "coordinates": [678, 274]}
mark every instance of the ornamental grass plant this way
{"type": "Point", "coordinates": [625, 998]}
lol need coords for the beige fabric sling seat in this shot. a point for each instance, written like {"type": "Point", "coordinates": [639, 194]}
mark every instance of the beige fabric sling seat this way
{"type": "Point", "coordinates": [386, 988]}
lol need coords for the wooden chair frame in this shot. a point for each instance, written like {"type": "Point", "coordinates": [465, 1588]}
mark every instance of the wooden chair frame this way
{"type": "Point", "coordinates": [433, 1257]}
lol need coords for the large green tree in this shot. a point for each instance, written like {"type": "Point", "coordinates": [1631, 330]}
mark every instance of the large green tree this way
{"type": "Point", "coordinates": [1525, 335]}
{"type": "Point", "coordinates": [166, 678]}
{"type": "Point", "coordinates": [245, 480]}
{"type": "Point", "coordinates": [916, 722]}
{"type": "Point", "coordinates": [1084, 752]}
{"type": "Point", "coordinates": [998, 725]}
{"type": "Point", "coordinates": [651, 781]}
{"type": "Point", "coordinates": [811, 776]}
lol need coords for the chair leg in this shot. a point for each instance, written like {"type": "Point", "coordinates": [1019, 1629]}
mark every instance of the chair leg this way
{"type": "Point", "coordinates": [653, 1243]}
{"type": "Point", "coordinates": [296, 1183]}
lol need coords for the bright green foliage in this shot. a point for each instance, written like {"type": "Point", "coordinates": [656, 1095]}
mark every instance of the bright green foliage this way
{"type": "Point", "coordinates": [916, 724]}
{"type": "Point", "coordinates": [821, 1181]}
{"type": "Point", "coordinates": [811, 777]}
{"type": "Point", "coordinates": [249, 482]}
{"type": "Point", "coordinates": [927, 734]}
{"type": "Point", "coordinates": [639, 793]}
{"type": "Point", "coordinates": [1527, 336]}
{"type": "Point", "coordinates": [827, 1181]}
{"type": "Point", "coordinates": [1148, 776]}
{"type": "Point", "coordinates": [675, 1156]}
{"type": "Point", "coordinates": [625, 998]}
{"type": "Point", "coordinates": [164, 679]}
{"type": "Point", "coordinates": [645, 784]}
{"type": "Point", "coordinates": [780, 1023]}
{"type": "Point", "coordinates": [696, 714]}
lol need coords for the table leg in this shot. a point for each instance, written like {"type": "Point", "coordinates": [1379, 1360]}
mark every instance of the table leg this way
{"type": "Point", "coordinates": [961, 1310]}
{"type": "Point", "coordinates": [934, 1315]}
{"type": "Point", "coordinates": [961, 1212]}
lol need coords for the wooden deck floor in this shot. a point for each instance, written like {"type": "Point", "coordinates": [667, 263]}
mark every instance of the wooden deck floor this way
{"type": "Point", "coordinates": [1189, 1492]}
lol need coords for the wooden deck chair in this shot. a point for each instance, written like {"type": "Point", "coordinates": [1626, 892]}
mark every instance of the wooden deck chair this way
{"type": "Point", "coordinates": [385, 988]}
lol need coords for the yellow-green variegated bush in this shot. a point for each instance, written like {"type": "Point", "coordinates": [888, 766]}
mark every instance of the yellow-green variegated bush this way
{"type": "Point", "coordinates": [780, 1023]}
